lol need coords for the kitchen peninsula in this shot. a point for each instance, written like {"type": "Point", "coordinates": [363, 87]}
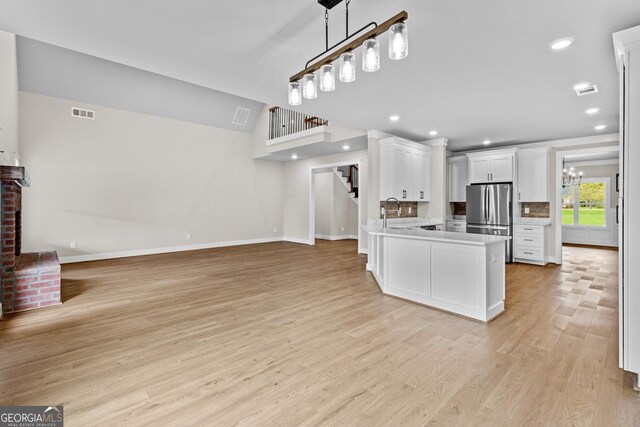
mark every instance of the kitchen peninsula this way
{"type": "Point", "coordinates": [455, 272]}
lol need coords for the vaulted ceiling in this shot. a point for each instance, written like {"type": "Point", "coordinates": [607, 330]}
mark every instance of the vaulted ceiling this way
{"type": "Point", "coordinates": [476, 69]}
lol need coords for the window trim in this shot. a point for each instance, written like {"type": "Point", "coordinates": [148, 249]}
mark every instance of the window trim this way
{"type": "Point", "coordinates": [607, 201]}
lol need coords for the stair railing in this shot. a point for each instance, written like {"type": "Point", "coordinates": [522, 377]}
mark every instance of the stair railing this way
{"type": "Point", "coordinates": [283, 122]}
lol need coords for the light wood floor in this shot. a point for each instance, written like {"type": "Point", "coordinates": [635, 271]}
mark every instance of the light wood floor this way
{"type": "Point", "coordinates": [285, 334]}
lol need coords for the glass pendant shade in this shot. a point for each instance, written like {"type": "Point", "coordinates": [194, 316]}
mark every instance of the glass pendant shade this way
{"type": "Point", "coordinates": [309, 86]}
{"type": "Point", "coordinates": [370, 56]}
{"type": "Point", "coordinates": [295, 93]}
{"type": "Point", "coordinates": [347, 67]}
{"type": "Point", "coordinates": [327, 78]}
{"type": "Point", "coordinates": [398, 41]}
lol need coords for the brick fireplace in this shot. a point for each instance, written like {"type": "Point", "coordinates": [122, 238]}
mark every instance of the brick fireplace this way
{"type": "Point", "coordinates": [29, 280]}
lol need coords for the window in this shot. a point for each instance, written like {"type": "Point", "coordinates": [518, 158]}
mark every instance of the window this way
{"type": "Point", "coordinates": [585, 204]}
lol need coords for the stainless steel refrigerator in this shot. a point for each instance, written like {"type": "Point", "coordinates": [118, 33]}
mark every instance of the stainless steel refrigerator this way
{"type": "Point", "coordinates": [490, 211]}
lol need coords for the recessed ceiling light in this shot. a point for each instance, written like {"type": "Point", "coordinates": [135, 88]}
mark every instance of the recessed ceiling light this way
{"type": "Point", "coordinates": [592, 110]}
{"type": "Point", "coordinates": [561, 43]}
{"type": "Point", "coordinates": [394, 118]}
{"type": "Point", "coordinates": [581, 86]}
{"type": "Point", "coordinates": [294, 156]}
{"type": "Point", "coordinates": [600, 127]}
{"type": "Point", "coordinates": [345, 147]}
{"type": "Point", "coordinates": [486, 142]}
{"type": "Point", "coordinates": [433, 133]}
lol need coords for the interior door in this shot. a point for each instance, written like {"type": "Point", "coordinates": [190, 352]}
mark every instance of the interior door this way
{"type": "Point", "coordinates": [476, 204]}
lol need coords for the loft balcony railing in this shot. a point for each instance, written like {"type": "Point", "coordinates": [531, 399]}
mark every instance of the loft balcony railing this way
{"type": "Point", "coordinates": [283, 122]}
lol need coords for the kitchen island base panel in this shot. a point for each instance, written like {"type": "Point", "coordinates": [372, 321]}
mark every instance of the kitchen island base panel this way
{"type": "Point", "coordinates": [460, 278]}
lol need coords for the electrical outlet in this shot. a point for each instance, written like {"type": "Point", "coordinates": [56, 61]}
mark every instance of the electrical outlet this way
{"type": "Point", "coordinates": [73, 245]}
{"type": "Point", "coordinates": [342, 228]}
{"type": "Point", "coordinates": [526, 210]}
{"type": "Point", "coordinates": [189, 236]}
{"type": "Point", "coordinates": [275, 230]}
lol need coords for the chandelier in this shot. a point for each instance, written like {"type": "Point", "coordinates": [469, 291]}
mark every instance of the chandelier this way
{"type": "Point", "coordinates": [569, 176]}
{"type": "Point", "coordinates": [305, 83]}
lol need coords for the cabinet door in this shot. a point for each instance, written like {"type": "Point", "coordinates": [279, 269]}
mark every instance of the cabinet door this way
{"type": "Point", "coordinates": [479, 169]}
{"type": "Point", "coordinates": [502, 168]}
{"type": "Point", "coordinates": [416, 184]}
{"type": "Point", "coordinates": [458, 174]}
{"type": "Point", "coordinates": [402, 174]}
{"type": "Point", "coordinates": [387, 172]}
{"type": "Point", "coordinates": [398, 167]}
{"type": "Point", "coordinates": [532, 178]}
{"type": "Point", "coordinates": [424, 189]}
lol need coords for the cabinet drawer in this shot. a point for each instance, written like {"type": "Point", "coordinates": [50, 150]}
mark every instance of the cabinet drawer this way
{"type": "Point", "coordinates": [460, 227]}
{"type": "Point", "coordinates": [529, 229]}
{"type": "Point", "coordinates": [529, 240]}
{"type": "Point", "coordinates": [534, 254]}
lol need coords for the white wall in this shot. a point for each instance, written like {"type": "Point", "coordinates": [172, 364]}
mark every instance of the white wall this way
{"type": "Point", "coordinates": [336, 213]}
{"type": "Point", "coordinates": [297, 194]}
{"type": "Point", "coordinates": [129, 181]}
{"type": "Point", "coordinates": [8, 98]}
{"type": "Point", "coordinates": [324, 203]}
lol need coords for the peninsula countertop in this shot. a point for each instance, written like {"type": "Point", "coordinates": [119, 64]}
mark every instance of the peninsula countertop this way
{"type": "Point", "coordinates": [437, 236]}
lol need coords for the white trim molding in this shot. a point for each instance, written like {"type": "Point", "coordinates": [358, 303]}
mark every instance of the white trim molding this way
{"type": "Point", "coordinates": [297, 240]}
{"type": "Point", "coordinates": [343, 237]}
{"type": "Point", "coordinates": [165, 250]}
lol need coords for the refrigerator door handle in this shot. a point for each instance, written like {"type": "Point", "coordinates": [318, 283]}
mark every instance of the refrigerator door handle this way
{"type": "Point", "coordinates": [488, 227]}
{"type": "Point", "coordinates": [486, 204]}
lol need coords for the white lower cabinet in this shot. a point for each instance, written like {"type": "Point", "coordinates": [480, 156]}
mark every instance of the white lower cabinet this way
{"type": "Point", "coordinates": [457, 226]}
{"type": "Point", "coordinates": [531, 244]}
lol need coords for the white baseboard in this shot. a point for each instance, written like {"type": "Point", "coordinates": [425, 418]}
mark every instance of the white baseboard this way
{"type": "Point", "coordinates": [154, 251]}
{"type": "Point", "coordinates": [296, 240]}
{"type": "Point", "coordinates": [344, 237]}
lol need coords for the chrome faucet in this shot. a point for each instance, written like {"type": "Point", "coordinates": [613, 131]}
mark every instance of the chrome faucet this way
{"type": "Point", "coordinates": [385, 210]}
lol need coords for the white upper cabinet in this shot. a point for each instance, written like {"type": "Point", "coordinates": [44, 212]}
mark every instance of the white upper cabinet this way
{"type": "Point", "coordinates": [421, 189]}
{"type": "Point", "coordinates": [404, 170]}
{"type": "Point", "coordinates": [502, 168]}
{"type": "Point", "coordinates": [491, 166]}
{"type": "Point", "coordinates": [458, 178]}
{"type": "Point", "coordinates": [533, 175]}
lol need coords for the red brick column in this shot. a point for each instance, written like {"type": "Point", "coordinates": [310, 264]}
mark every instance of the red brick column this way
{"type": "Point", "coordinates": [11, 203]}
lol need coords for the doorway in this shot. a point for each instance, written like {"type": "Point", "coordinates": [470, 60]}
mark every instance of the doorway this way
{"type": "Point", "coordinates": [335, 195]}
{"type": "Point", "coordinates": [587, 203]}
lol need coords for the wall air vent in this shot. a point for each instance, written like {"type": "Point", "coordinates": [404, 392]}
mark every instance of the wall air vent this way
{"type": "Point", "coordinates": [589, 90]}
{"type": "Point", "coordinates": [241, 117]}
{"type": "Point", "coordinates": [83, 114]}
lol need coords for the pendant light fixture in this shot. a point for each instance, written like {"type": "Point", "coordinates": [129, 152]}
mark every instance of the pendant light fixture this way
{"type": "Point", "coordinates": [370, 56]}
{"type": "Point", "coordinates": [305, 81]}
{"type": "Point", "coordinates": [310, 86]}
{"type": "Point", "coordinates": [327, 78]}
{"type": "Point", "coordinates": [295, 94]}
{"type": "Point", "coordinates": [569, 176]}
{"type": "Point", "coordinates": [398, 41]}
{"type": "Point", "coordinates": [347, 67]}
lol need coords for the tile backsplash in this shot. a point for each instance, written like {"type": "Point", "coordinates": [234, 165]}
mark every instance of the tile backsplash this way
{"type": "Point", "coordinates": [459, 208]}
{"type": "Point", "coordinates": [404, 207]}
{"type": "Point", "coordinates": [536, 210]}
